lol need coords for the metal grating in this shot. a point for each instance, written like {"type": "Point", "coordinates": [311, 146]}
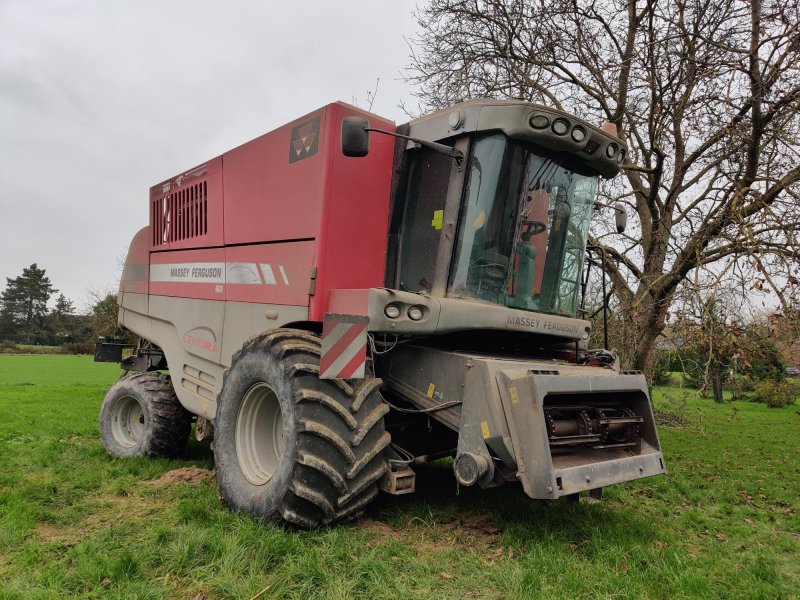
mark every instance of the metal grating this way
{"type": "Point", "coordinates": [181, 215]}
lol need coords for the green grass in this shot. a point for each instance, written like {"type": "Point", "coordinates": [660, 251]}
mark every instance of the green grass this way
{"type": "Point", "coordinates": [76, 523]}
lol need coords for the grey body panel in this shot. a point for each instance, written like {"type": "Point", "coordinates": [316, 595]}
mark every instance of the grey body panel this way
{"type": "Point", "coordinates": [199, 337]}
{"type": "Point", "coordinates": [447, 315]}
{"type": "Point", "coordinates": [502, 410]}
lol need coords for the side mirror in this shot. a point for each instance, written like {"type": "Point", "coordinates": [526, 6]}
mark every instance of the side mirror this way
{"type": "Point", "coordinates": [620, 216]}
{"type": "Point", "coordinates": [355, 137]}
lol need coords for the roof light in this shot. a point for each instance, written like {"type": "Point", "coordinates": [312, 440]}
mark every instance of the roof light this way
{"type": "Point", "coordinates": [578, 133]}
{"type": "Point", "coordinates": [539, 121]}
{"type": "Point", "coordinates": [611, 150]}
{"type": "Point", "coordinates": [456, 119]}
{"type": "Point", "coordinates": [560, 126]}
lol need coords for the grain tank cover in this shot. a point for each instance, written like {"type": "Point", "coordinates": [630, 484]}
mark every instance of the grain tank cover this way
{"type": "Point", "coordinates": [288, 198]}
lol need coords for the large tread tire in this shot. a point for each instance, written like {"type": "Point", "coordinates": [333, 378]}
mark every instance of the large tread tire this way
{"type": "Point", "coordinates": [333, 434]}
{"type": "Point", "coordinates": [164, 424]}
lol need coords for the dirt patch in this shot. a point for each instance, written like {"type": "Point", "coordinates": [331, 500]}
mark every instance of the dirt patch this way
{"type": "Point", "coordinates": [106, 512]}
{"type": "Point", "coordinates": [190, 475]}
{"type": "Point", "coordinates": [469, 531]}
{"type": "Point", "coordinates": [50, 533]}
{"type": "Point", "coordinates": [479, 527]}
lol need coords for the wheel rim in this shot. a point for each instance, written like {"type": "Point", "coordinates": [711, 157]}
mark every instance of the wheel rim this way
{"type": "Point", "coordinates": [127, 421]}
{"type": "Point", "coordinates": [259, 434]}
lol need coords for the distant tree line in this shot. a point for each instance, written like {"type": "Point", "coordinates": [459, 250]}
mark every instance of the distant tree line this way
{"type": "Point", "coordinates": [26, 317]}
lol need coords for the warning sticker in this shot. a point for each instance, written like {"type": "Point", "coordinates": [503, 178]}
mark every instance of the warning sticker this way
{"type": "Point", "coordinates": [438, 219]}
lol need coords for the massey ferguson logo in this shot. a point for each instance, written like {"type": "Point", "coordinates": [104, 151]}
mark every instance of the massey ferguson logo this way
{"type": "Point", "coordinates": [305, 140]}
{"type": "Point", "coordinates": [203, 338]}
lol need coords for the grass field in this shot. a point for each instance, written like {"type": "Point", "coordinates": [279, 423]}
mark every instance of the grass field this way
{"type": "Point", "coordinates": [74, 522]}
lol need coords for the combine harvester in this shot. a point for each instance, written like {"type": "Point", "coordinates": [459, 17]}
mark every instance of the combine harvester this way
{"type": "Point", "coordinates": [342, 299]}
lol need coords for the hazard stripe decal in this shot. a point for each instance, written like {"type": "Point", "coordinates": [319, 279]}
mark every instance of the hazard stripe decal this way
{"type": "Point", "coordinates": [344, 347]}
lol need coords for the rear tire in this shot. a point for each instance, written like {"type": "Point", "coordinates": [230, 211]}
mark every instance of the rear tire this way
{"type": "Point", "coordinates": [292, 445]}
{"type": "Point", "coordinates": [141, 416]}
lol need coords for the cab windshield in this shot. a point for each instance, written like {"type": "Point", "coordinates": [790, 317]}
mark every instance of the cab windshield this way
{"type": "Point", "coordinates": [523, 228]}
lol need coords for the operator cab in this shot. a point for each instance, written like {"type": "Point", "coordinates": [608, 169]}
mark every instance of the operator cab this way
{"type": "Point", "coordinates": [521, 232]}
{"type": "Point", "coordinates": [507, 225]}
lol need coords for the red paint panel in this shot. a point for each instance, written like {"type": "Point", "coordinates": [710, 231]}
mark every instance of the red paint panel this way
{"type": "Point", "coordinates": [135, 273]}
{"type": "Point", "coordinates": [351, 253]}
{"type": "Point", "coordinates": [290, 184]}
{"type": "Point", "coordinates": [348, 302]}
{"type": "Point", "coordinates": [284, 271]}
{"type": "Point", "coordinates": [266, 197]}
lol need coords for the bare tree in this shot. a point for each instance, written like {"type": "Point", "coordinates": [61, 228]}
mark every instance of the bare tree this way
{"type": "Point", "coordinates": [707, 95]}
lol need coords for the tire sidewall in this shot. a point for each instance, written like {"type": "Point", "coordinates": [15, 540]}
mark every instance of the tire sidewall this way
{"type": "Point", "coordinates": [124, 388]}
{"type": "Point", "coordinates": [256, 365]}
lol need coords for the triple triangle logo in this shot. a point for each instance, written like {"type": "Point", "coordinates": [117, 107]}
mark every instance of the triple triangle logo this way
{"type": "Point", "coordinates": [305, 140]}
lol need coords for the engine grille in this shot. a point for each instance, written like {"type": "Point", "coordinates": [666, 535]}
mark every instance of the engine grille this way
{"type": "Point", "coordinates": [181, 215]}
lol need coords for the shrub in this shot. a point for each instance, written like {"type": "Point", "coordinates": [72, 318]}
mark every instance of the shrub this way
{"type": "Point", "coordinates": [740, 386]}
{"type": "Point", "coordinates": [8, 347]}
{"type": "Point", "coordinates": [740, 383]}
{"type": "Point", "coordinates": [693, 368]}
{"type": "Point", "coordinates": [766, 361]}
{"type": "Point", "coordinates": [776, 394]}
{"type": "Point", "coordinates": [660, 373]}
{"type": "Point", "coordinates": [77, 348]}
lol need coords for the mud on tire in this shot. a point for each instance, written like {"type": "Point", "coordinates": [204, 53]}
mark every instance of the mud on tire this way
{"type": "Point", "coordinates": [292, 445]}
{"type": "Point", "coordinates": [141, 416]}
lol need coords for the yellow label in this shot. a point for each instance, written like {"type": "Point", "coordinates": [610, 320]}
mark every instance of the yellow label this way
{"type": "Point", "coordinates": [512, 391]}
{"type": "Point", "coordinates": [438, 219]}
{"type": "Point", "coordinates": [431, 389]}
{"type": "Point", "coordinates": [485, 429]}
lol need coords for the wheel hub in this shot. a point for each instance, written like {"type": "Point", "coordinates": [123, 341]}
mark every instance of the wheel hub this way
{"type": "Point", "coordinates": [127, 422]}
{"type": "Point", "coordinates": [259, 434]}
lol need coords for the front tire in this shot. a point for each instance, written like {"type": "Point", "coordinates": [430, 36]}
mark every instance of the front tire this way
{"type": "Point", "coordinates": [141, 416]}
{"type": "Point", "coordinates": [290, 444]}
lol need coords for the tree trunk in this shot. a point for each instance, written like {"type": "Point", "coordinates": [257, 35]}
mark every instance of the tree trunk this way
{"type": "Point", "coordinates": [716, 383]}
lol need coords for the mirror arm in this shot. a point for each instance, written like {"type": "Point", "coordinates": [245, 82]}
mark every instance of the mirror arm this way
{"type": "Point", "coordinates": [457, 155]}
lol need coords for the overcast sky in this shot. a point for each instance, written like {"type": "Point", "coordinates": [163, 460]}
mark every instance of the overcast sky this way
{"type": "Point", "coordinates": [99, 100]}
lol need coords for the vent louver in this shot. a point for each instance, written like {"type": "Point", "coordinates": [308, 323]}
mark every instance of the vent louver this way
{"type": "Point", "coordinates": [181, 215]}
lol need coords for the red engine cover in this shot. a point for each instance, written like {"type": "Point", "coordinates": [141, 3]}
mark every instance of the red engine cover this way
{"type": "Point", "coordinates": [253, 224]}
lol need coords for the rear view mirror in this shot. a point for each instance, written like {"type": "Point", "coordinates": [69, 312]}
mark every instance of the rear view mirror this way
{"type": "Point", "coordinates": [355, 137]}
{"type": "Point", "coordinates": [621, 216]}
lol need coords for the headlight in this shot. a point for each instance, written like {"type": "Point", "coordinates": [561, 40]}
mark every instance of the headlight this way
{"type": "Point", "coordinates": [392, 311]}
{"type": "Point", "coordinates": [415, 313]}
